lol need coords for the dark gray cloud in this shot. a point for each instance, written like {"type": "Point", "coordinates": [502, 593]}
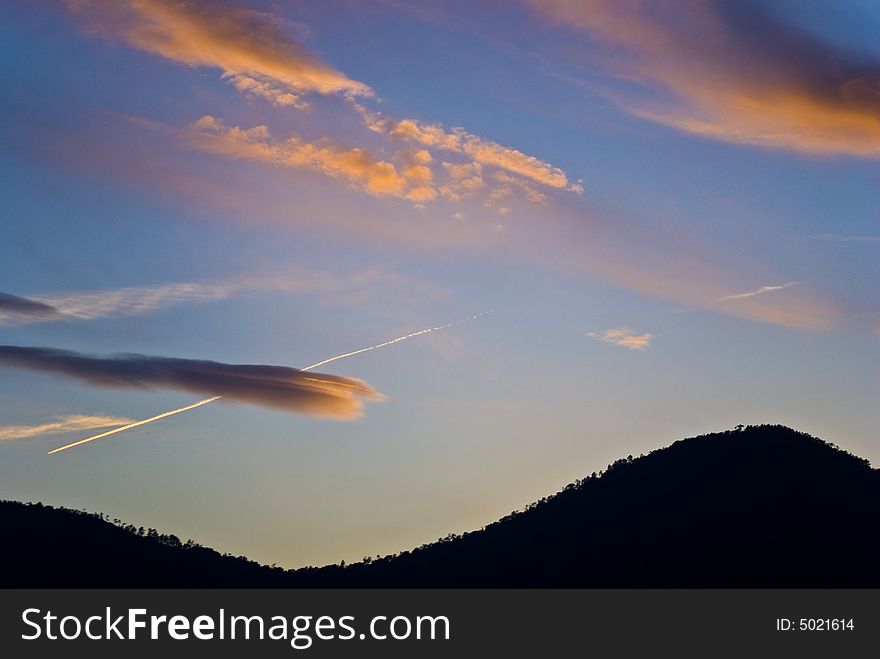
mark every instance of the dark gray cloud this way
{"type": "Point", "coordinates": [279, 387]}
{"type": "Point", "coordinates": [14, 308]}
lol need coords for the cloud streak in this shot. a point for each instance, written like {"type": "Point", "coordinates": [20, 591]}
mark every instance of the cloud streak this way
{"type": "Point", "coordinates": [143, 300]}
{"type": "Point", "coordinates": [758, 291]}
{"type": "Point", "coordinates": [64, 424]}
{"type": "Point", "coordinates": [139, 300]}
{"type": "Point", "coordinates": [126, 301]}
{"type": "Point", "coordinates": [624, 337]}
{"type": "Point", "coordinates": [736, 72]}
{"type": "Point", "coordinates": [249, 47]}
{"type": "Point", "coordinates": [278, 387]}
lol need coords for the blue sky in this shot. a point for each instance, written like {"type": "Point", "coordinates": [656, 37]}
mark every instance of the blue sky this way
{"type": "Point", "coordinates": [672, 215]}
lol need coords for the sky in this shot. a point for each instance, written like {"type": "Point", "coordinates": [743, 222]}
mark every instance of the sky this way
{"type": "Point", "coordinates": [664, 216]}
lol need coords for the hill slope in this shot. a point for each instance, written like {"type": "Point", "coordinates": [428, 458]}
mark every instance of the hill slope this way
{"type": "Point", "coordinates": [765, 506]}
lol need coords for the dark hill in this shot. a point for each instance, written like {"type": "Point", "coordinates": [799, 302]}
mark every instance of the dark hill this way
{"type": "Point", "coordinates": [765, 507]}
{"type": "Point", "coordinates": [45, 547]}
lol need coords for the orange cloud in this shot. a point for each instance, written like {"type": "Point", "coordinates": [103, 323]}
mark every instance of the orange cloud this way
{"type": "Point", "coordinates": [357, 166]}
{"type": "Point", "coordinates": [483, 152]}
{"type": "Point", "coordinates": [412, 180]}
{"type": "Point", "coordinates": [624, 337]}
{"type": "Point", "coordinates": [480, 151]}
{"type": "Point", "coordinates": [464, 180]}
{"type": "Point", "coordinates": [532, 194]}
{"type": "Point", "coordinates": [416, 169]}
{"type": "Point", "coordinates": [738, 73]}
{"type": "Point", "coordinates": [249, 47]}
{"type": "Point", "coordinates": [278, 96]}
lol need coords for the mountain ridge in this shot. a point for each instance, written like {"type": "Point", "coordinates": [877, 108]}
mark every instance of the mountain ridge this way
{"type": "Point", "coordinates": [759, 506]}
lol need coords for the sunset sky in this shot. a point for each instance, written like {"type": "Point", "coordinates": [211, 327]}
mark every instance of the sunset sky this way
{"type": "Point", "coordinates": [672, 210]}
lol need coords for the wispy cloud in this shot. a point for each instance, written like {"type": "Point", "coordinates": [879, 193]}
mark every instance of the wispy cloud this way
{"type": "Point", "coordinates": [138, 301]}
{"type": "Point", "coordinates": [279, 387]}
{"type": "Point", "coordinates": [143, 300]}
{"type": "Point", "coordinates": [249, 47]}
{"type": "Point", "coordinates": [64, 424]}
{"type": "Point", "coordinates": [623, 336]}
{"type": "Point", "coordinates": [758, 291]}
{"type": "Point", "coordinates": [737, 71]}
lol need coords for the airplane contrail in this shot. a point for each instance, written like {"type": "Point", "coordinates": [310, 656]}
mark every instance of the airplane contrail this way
{"type": "Point", "coordinates": [757, 291]}
{"type": "Point", "coordinates": [135, 424]}
{"type": "Point", "coordinates": [164, 415]}
{"type": "Point", "coordinates": [378, 345]}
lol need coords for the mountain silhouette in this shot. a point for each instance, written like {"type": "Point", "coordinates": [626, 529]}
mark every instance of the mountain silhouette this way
{"type": "Point", "coordinates": [762, 506]}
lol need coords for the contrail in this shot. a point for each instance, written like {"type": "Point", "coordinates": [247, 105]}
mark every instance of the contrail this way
{"type": "Point", "coordinates": [137, 423]}
{"type": "Point", "coordinates": [757, 291]}
{"type": "Point", "coordinates": [378, 345]}
{"type": "Point", "coordinates": [142, 422]}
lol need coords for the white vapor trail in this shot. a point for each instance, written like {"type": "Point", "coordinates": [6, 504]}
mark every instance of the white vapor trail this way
{"type": "Point", "coordinates": [757, 291]}
{"type": "Point", "coordinates": [200, 403]}
{"type": "Point", "coordinates": [135, 424]}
